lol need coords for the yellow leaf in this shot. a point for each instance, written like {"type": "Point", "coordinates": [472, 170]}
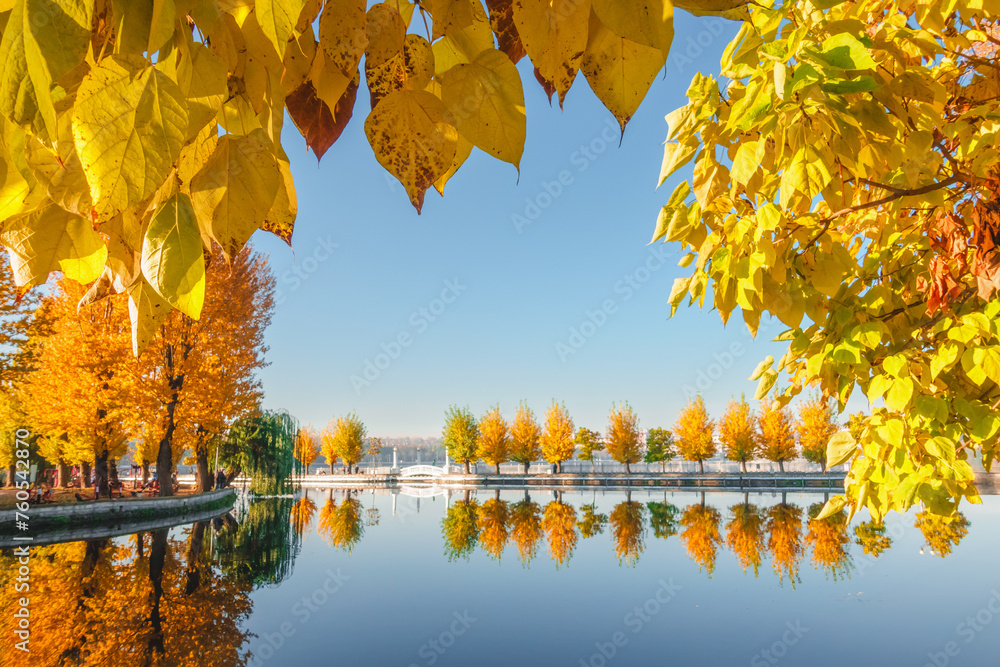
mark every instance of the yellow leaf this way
{"type": "Point", "coordinates": [52, 239]}
{"type": "Point", "coordinates": [646, 22]}
{"type": "Point", "coordinates": [619, 71]}
{"type": "Point", "coordinates": [343, 34]}
{"type": "Point", "coordinates": [451, 16]}
{"type": "Point", "coordinates": [737, 10]}
{"type": "Point", "coordinates": [13, 190]}
{"type": "Point", "coordinates": [411, 139]}
{"type": "Point", "coordinates": [201, 76]}
{"type": "Point", "coordinates": [277, 18]}
{"type": "Point", "coordinates": [172, 257]}
{"type": "Point", "coordinates": [675, 156]}
{"type": "Point", "coordinates": [129, 123]}
{"type": "Point", "coordinates": [462, 152]}
{"type": "Point", "coordinates": [147, 310]}
{"type": "Point", "coordinates": [464, 45]}
{"type": "Point", "coordinates": [554, 33]}
{"type": "Point", "coordinates": [143, 25]}
{"type": "Point", "coordinates": [299, 57]}
{"type": "Point", "coordinates": [330, 83]}
{"type": "Point", "coordinates": [280, 220]}
{"type": "Point", "coordinates": [33, 59]}
{"type": "Point", "coordinates": [234, 191]}
{"type": "Point", "coordinates": [386, 32]}
{"type": "Point", "coordinates": [487, 104]}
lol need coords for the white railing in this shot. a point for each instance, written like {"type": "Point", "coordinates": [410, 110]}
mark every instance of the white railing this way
{"type": "Point", "coordinates": [421, 491]}
{"type": "Point", "coordinates": [423, 471]}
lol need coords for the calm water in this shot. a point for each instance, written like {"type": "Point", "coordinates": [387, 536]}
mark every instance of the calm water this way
{"type": "Point", "coordinates": [331, 578]}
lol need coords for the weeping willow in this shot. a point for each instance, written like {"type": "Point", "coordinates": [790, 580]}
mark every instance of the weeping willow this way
{"type": "Point", "coordinates": [261, 551]}
{"type": "Point", "coordinates": [262, 445]}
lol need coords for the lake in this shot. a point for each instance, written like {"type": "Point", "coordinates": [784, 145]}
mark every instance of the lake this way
{"type": "Point", "coordinates": [507, 578]}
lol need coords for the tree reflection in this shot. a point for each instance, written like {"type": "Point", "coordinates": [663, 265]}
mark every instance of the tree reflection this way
{"type": "Point", "coordinates": [871, 538]}
{"type": "Point", "coordinates": [829, 541]}
{"type": "Point", "coordinates": [526, 531]}
{"type": "Point", "coordinates": [461, 528]}
{"type": "Point", "coordinates": [663, 519]}
{"type": "Point", "coordinates": [627, 531]}
{"type": "Point", "coordinates": [592, 522]}
{"type": "Point", "coordinates": [341, 524]}
{"type": "Point", "coordinates": [559, 524]}
{"type": "Point", "coordinates": [745, 535]}
{"type": "Point", "coordinates": [942, 533]}
{"type": "Point", "coordinates": [701, 534]}
{"type": "Point", "coordinates": [303, 512]}
{"type": "Point", "coordinates": [784, 528]}
{"type": "Point", "coordinates": [493, 520]}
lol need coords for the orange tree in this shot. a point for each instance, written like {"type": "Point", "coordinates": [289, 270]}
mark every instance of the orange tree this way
{"type": "Point", "coordinates": [557, 435]}
{"type": "Point", "coordinates": [624, 441]}
{"type": "Point", "coordinates": [777, 433]}
{"type": "Point", "coordinates": [817, 424]}
{"type": "Point", "coordinates": [694, 433]}
{"type": "Point", "coordinates": [524, 436]}
{"type": "Point", "coordinates": [344, 438]}
{"type": "Point", "coordinates": [306, 447]}
{"type": "Point", "coordinates": [493, 443]}
{"type": "Point", "coordinates": [738, 432]}
{"type": "Point", "coordinates": [461, 436]}
{"type": "Point", "coordinates": [845, 182]}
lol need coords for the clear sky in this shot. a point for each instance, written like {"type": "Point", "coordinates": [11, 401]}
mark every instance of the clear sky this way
{"type": "Point", "coordinates": [370, 272]}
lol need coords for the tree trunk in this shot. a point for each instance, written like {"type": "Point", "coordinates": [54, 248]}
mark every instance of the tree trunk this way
{"type": "Point", "coordinates": [113, 472]}
{"type": "Point", "coordinates": [781, 465]}
{"type": "Point", "coordinates": [193, 558]}
{"type": "Point", "coordinates": [465, 496]}
{"type": "Point", "coordinates": [145, 471]}
{"type": "Point", "coordinates": [497, 465]}
{"type": "Point", "coordinates": [85, 474]}
{"type": "Point", "coordinates": [593, 466]}
{"type": "Point", "coordinates": [156, 561]}
{"type": "Point", "coordinates": [466, 468]}
{"type": "Point", "coordinates": [559, 467]}
{"type": "Point", "coordinates": [526, 464]}
{"type": "Point", "coordinates": [628, 470]}
{"type": "Point", "coordinates": [205, 481]}
{"type": "Point", "coordinates": [11, 472]}
{"type": "Point", "coordinates": [743, 466]}
{"type": "Point", "coordinates": [232, 474]}
{"type": "Point", "coordinates": [101, 473]}
{"type": "Point", "coordinates": [823, 464]}
{"type": "Point", "coordinates": [663, 467]}
{"type": "Point", "coordinates": [701, 467]}
{"type": "Point", "coordinates": [63, 474]}
{"type": "Point", "coordinates": [165, 454]}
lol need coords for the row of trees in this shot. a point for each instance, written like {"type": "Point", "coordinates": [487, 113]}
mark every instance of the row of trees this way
{"type": "Point", "coordinates": [771, 433]}
{"type": "Point", "coordinates": [344, 439]}
{"type": "Point", "coordinates": [74, 381]}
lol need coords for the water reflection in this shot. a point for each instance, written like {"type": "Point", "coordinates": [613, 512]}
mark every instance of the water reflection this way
{"type": "Point", "coordinates": [341, 524]}
{"type": "Point", "coordinates": [261, 548]}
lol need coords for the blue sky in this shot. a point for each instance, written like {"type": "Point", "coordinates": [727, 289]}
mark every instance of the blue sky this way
{"type": "Point", "coordinates": [501, 299]}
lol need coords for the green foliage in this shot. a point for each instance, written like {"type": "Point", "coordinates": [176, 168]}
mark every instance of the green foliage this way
{"type": "Point", "coordinates": [263, 446]}
{"type": "Point", "coordinates": [845, 183]}
{"type": "Point", "coordinates": [659, 446]}
{"type": "Point", "coordinates": [261, 550]}
{"type": "Point", "coordinates": [663, 519]}
{"type": "Point", "coordinates": [587, 442]}
{"type": "Point", "coordinates": [461, 435]}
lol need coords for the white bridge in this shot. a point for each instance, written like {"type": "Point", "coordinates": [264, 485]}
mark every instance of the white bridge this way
{"type": "Point", "coordinates": [423, 471]}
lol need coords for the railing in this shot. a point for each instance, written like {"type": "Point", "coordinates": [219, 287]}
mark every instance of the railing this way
{"type": "Point", "coordinates": [423, 471]}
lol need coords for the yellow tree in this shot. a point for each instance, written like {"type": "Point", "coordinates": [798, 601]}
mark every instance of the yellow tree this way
{"type": "Point", "coordinates": [745, 535]}
{"type": "Point", "coordinates": [592, 522]}
{"type": "Point", "coordinates": [559, 524]}
{"type": "Point", "coordinates": [738, 432]}
{"type": "Point", "coordinates": [303, 512]}
{"type": "Point", "coordinates": [815, 426]}
{"type": "Point", "coordinates": [12, 419]}
{"type": "Point", "coordinates": [694, 433]}
{"type": "Point", "coordinates": [557, 436]}
{"type": "Point", "coordinates": [524, 437]}
{"type": "Point", "coordinates": [627, 531]}
{"type": "Point", "coordinates": [785, 540]}
{"type": "Point", "coordinates": [17, 310]}
{"type": "Point", "coordinates": [493, 443]}
{"type": "Point", "coordinates": [777, 433]}
{"type": "Point", "coordinates": [526, 528]}
{"type": "Point", "coordinates": [341, 524]}
{"type": "Point", "coordinates": [871, 538]}
{"type": "Point", "coordinates": [700, 535]}
{"type": "Point", "coordinates": [493, 523]}
{"type": "Point", "coordinates": [461, 436]}
{"type": "Point", "coordinates": [84, 386]}
{"type": "Point", "coordinates": [829, 541]}
{"type": "Point", "coordinates": [588, 442]}
{"type": "Point", "coordinates": [344, 438]}
{"type": "Point", "coordinates": [306, 447]}
{"type": "Point", "coordinates": [942, 533]}
{"type": "Point", "coordinates": [624, 440]}
{"type": "Point", "coordinates": [460, 528]}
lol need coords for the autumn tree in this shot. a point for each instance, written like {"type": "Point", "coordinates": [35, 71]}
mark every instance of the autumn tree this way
{"type": "Point", "coordinates": [587, 443]}
{"type": "Point", "coordinates": [829, 541]}
{"type": "Point", "coordinates": [344, 438]}
{"type": "Point", "coordinates": [659, 447]}
{"type": "Point", "coordinates": [526, 528]}
{"type": "Point", "coordinates": [85, 384]}
{"type": "Point", "coordinates": [559, 524]}
{"type": "Point", "coordinates": [628, 529]}
{"type": "Point", "coordinates": [461, 436]}
{"type": "Point", "coordinates": [663, 518]}
{"type": "Point", "coordinates": [745, 535]}
{"type": "Point", "coordinates": [694, 433]}
{"type": "Point", "coordinates": [12, 419]}
{"type": "Point", "coordinates": [862, 214]}
{"type": "Point", "coordinates": [785, 540]}
{"type": "Point", "coordinates": [373, 447]}
{"type": "Point", "coordinates": [591, 521]}
{"type": "Point", "coordinates": [557, 436]}
{"type": "Point", "coordinates": [941, 533]}
{"type": "Point", "coordinates": [493, 443]}
{"type": "Point", "coordinates": [871, 538]}
{"type": "Point", "coordinates": [493, 522]}
{"type": "Point", "coordinates": [700, 535]}
{"type": "Point", "coordinates": [524, 437]}
{"type": "Point", "coordinates": [261, 445]}
{"type": "Point", "coordinates": [460, 528]}
{"type": "Point", "coordinates": [303, 512]}
{"type": "Point", "coordinates": [815, 426]}
{"type": "Point", "coordinates": [307, 446]}
{"type": "Point", "coordinates": [777, 433]}
{"type": "Point", "coordinates": [738, 433]}
{"type": "Point", "coordinates": [624, 440]}
{"type": "Point", "coordinates": [16, 312]}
